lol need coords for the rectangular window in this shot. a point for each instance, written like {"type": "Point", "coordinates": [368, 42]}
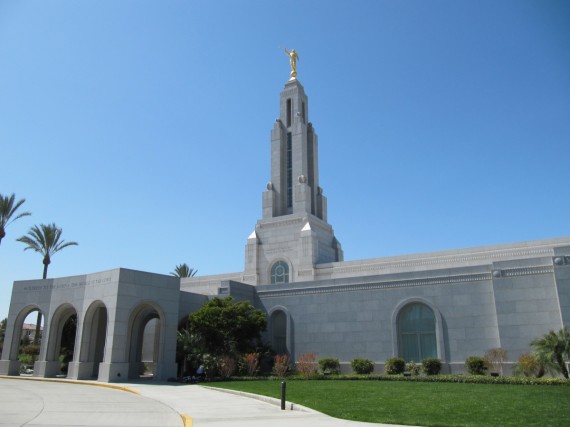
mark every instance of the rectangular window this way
{"type": "Point", "coordinates": [289, 112]}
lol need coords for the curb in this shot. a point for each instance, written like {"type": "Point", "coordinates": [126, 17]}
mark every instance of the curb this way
{"type": "Point", "coordinates": [62, 380]}
{"type": "Point", "coordinates": [271, 400]}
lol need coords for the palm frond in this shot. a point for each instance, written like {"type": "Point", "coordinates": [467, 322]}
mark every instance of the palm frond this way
{"type": "Point", "coordinates": [45, 239]}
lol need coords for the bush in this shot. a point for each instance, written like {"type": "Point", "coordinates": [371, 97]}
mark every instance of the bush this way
{"type": "Point", "coordinates": [362, 366]}
{"type": "Point", "coordinates": [395, 366]}
{"type": "Point", "coordinates": [227, 366]}
{"type": "Point", "coordinates": [26, 359]}
{"type": "Point", "coordinates": [307, 365]}
{"type": "Point", "coordinates": [32, 349]}
{"type": "Point", "coordinates": [251, 361]}
{"type": "Point", "coordinates": [413, 368]}
{"type": "Point", "coordinates": [528, 365]}
{"type": "Point", "coordinates": [431, 366]}
{"type": "Point", "coordinates": [496, 357]}
{"type": "Point", "coordinates": [329, 365]}
{"type": "Point", "coordinates": [281, 365]}
{"type": "Point", "coordinates": [476, 365]}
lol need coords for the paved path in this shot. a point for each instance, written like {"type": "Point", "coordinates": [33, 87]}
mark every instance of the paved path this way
{"type": "Point", "coordinates": [51, 403]}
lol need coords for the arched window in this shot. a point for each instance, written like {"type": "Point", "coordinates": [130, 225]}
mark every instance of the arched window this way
{"type": "Point", "coordinates": [279, 332]}
{"type": "Point", "coordinates": [280, 273]}
{"type": "Point", "coordinates": [416, 332]}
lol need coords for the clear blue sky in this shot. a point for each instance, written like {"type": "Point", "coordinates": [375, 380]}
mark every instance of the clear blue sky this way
{"type": "Point", "coordinates": [142, 128]}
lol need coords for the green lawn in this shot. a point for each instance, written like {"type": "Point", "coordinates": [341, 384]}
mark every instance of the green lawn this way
{"type": "Point", "coordinates": [424, 404]}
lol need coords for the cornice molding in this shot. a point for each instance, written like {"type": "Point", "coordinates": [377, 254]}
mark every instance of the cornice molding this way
{"type": "Point", "coordinates": [490, 256]}
{"type": "Point", "coordinates": [427, 281]}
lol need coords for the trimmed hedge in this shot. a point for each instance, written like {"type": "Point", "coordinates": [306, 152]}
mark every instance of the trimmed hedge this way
{"type": "Point", "coordinates": [329, 365]}
{"type": "Point", "coordinates": [394, 366]}
{"type": "Point", "coordinates": [362, 366]}
{"type": "Point", "coordinates": [476, 365]}
{"type": "Point", "coordinates": [467, 379]}
{"type": "Point", "coordinates": [431, 366]}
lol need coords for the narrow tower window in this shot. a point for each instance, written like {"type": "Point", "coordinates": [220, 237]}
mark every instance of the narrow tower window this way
{"type": "Point", "coordinates": [303, 113]}
{"type": "Point", "coordinates": [289, 170]}
{"type": "Point", "coordinates": [279, 332]}
{"type": "Point", "coordinates": [289, 112]}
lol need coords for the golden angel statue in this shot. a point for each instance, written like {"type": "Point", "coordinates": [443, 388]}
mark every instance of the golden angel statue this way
{"type": "Point", "coordinates": [293, 57]}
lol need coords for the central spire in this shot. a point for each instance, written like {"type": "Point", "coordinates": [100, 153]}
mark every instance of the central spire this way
{"type": "Point", "coordinates": [294, 185]}
{"type": "Point", "coordinates": [293, 236]}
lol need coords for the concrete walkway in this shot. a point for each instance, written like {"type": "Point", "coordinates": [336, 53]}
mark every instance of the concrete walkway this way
{"type": "Point", "coordinates": [53, 403]}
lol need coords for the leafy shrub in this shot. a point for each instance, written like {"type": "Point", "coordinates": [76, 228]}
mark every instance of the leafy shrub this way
{"type": "Point", "coordinates": [211, 365]}
{"type": "Point", "coordinates": [413, 368]}
{"type": "Point", "coordinates": [281, 365]}
{"type": "Point", "coordinates": [251, 361]}
{"type": "Point", "coordinates": [25, 359]}
{"type": "Point", "coordinates": [431, 366]}
{"type": "Point", "coordinates": [528, 365]}
{"type": "Point", "coordinates": [495, 358]}
{"type": "Point", "coordinates": [33, 349]}
{"type": "Point", "coordinates": [329, 365]}
{"type": "Point", "coordinates": [307, 365]}
{"type": "Point", "coordinates": [476, 365]}
{"type": "Point", "coordinates": [362, 366]}
{"type": "Point", "coordinates": [394, 366]}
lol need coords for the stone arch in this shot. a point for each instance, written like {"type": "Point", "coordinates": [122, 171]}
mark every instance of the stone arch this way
{"type": "Point", "coordinates": [280, 330]}
{"type": "Point", "coordinates": [405, 305]}
{"type": "Point", "coordinates": [93, 340]}
{"type": "Point", "coordinates": [54, 336]}
{"type": "Point", "coordinates": [12, 350]}
{"type": "Point", "coordinates": [140, 317]}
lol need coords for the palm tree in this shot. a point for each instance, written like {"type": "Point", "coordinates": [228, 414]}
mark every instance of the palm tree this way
{"type": "Point", "coordinates": [553, 349]}
{"type": "Point", "coordinates": [45, 240]}
{"type": "Point", "coordinates": [7, 210]}
{"type": "Point", "coordinates": [183, 270]}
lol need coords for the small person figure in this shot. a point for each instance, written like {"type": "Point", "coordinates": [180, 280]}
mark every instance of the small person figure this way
{"type": "Point", "coordinates": [200, 374]}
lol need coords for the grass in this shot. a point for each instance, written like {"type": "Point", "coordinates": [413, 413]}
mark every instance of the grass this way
{"type": "Point", "coordinates": [424, 404]}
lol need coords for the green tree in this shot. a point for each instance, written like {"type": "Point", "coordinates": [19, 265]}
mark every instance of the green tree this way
{"type": "Point", "coordinates": [2, 333]}
{"type": "Point", "coordinates": [553, 349]}
{"type": "Point", "coordinates": [46, 240]}
{"type": "Point", "coordinates": [183, 270]}
{"type": "Point", "coordinates": [188, 354]}
{"type": "Point", "coordinates": [224, 327]}
{"type": "Point", "coordinates": [8, 208]}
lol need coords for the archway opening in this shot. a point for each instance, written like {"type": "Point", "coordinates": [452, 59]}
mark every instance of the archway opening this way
{"type": "Point", "coordinates": [148, 355]}
{"type": "Point", "coordinates": [27, 340]}
{"type": "Point", "coordinates": [145, 336]}
{"type": "Point", "coordinates": [67, 343]}
{"type": "Point", "coordinates": [94, 338]}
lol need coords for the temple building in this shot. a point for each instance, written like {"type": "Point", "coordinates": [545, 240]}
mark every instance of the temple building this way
{"type": "Point", "coordinates": [449, 305]}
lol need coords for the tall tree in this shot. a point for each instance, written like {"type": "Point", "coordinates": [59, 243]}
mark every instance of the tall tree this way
{"type": "Point", "coordinates": [2, 333]}
{"type": "Point", "coordinates": [553, 349]}
{"type": "Point", "coordinates": [224, 327]}
{"type": "Point", "coordinates": [8, 208]}
{"type": "Point", "coordinates": [46, 240]}
{"type": "Point", "coordinates": [183, 270]}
